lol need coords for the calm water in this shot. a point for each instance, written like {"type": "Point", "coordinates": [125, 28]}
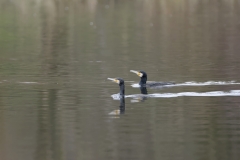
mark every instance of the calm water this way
{"type": "Point", "coordinates": [55, 98]}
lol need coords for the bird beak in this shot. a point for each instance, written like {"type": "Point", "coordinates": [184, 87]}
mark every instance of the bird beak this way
{"type": "Point", "coordinates": [114, 80]}
{"type": "Point", "coordinates": [137, 72]}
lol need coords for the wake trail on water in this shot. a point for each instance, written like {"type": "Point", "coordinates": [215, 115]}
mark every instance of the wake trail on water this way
{"type": "Point", "coordinates": [193, 83]}
{"type": "Point", "coordinates": [181, 94]}
{"type": "Point", "coordinates": [190, 94]}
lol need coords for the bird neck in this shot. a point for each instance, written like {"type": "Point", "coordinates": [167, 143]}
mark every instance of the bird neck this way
{"type": "Point", "coordinates": [122, 105]}
{"type": "Point", "coordinates": [143, 90]}
{"type": "Point", "coordinates": [143, 81]}
{"type": "Point", "coordinates": [122, 90]}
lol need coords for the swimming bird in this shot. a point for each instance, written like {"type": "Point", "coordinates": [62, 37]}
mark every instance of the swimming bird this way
{"type": "Point", "coordinates": [143, 80]}
{"type": "Point", "coordinates": [119, 81]}
{"type": "Point", "coordinates": [121, 95]}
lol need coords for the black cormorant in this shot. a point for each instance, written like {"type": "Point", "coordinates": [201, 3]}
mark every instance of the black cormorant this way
{"type": "Point", "coordinates": [143, 81]}
{"type": "Point", "coordinates": [119, 81]}
{"type": "Point", "coordinates": [121, 110]}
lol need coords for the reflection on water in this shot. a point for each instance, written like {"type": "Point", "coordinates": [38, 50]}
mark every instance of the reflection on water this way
{"type": "Point", "coordinates": [142, 97]}
{"type": "Point", "coordinates": [121, 109]}
{"type": "Point", "coordinates": [55, 99]}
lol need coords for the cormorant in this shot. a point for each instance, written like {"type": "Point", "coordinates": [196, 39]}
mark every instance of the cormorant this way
{"type": "Point", "coordinates": [143, 81]}
{"type": "Point", "coordinates": [121, 110]}
{"type": "Point", "coordinates": [119, 81]}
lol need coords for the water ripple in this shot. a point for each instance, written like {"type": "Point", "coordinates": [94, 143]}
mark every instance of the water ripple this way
{"type": "Point", "coordinates": [193, 83]}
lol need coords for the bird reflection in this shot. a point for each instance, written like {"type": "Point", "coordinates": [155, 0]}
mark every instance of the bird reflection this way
{"type": "Point", "coordinates": [121, 109]}
{"type": "Point", "coordinates": [141, 97]}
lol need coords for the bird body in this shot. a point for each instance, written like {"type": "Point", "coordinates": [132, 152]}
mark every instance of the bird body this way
{"type": "Point", "coordinates": [121, 97]}
{"type": "Point", "coordinates": [143, 80]}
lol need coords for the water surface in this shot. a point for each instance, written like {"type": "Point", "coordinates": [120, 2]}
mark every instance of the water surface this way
{"type": "Point", "coordinates": [55, 98]}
